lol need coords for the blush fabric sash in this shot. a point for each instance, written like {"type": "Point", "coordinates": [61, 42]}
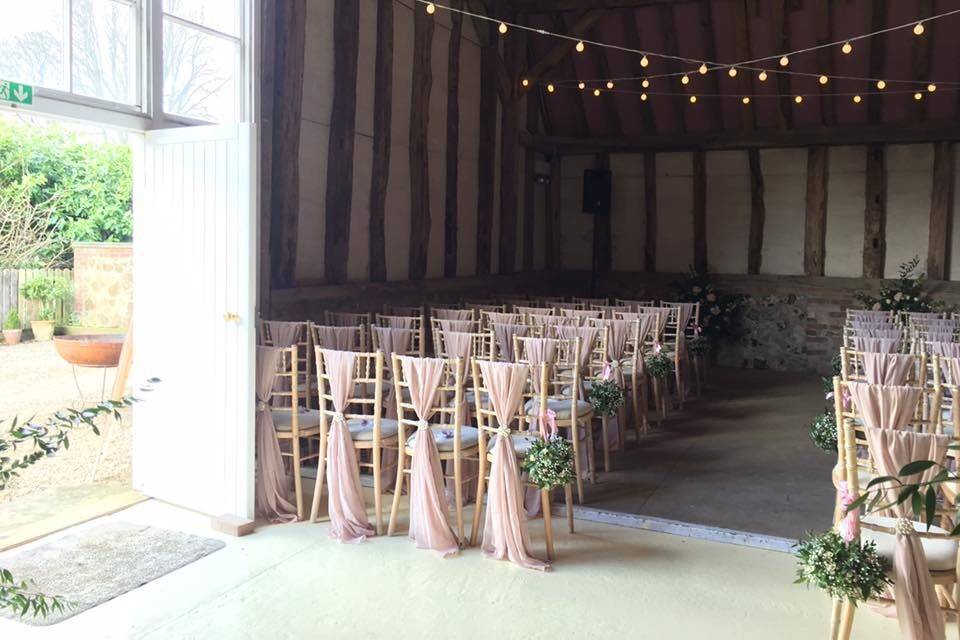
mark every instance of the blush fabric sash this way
{"type": "Point", "coordinates": [453, 314]}
{"type": "Point", "coordinates": [884, 407]}
{"type": "Point", "coordinates": [338, 338]}
{"type": "Point", "coordinates": [272, 494]}
{"type": "Point", "coordinates": [887, 368]}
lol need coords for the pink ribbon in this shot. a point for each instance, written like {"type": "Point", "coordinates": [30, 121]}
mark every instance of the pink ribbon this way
{"type": "Point", "coordinates": [657, 347]}
{"type": "Point", "coordinates": [696, 330]}
{"type": "Point", "coordinates": [607, 372]}
{"type": "Point", "coordinates": [849, 525]}
{"type": "Point", "coordinates": [846, 399]}
{"type": "Point", "coordinates": [548, 423]}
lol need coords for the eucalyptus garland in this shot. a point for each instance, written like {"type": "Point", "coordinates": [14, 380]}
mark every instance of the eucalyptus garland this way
{"type": "Point", "coordinates": [851, 571]}
{"type": "Point", "coordinates": [607, 397]}
{"type": "Point", "coordinates": [659, 365]}
{"type": "Point", "coordinates": [549, 462]}
{"type": "Point", "coordinates": [823, 431]}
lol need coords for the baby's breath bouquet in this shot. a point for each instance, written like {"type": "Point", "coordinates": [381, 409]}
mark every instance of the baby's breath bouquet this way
{"type": "Point", "coordinates": [659, 365]}
{"type": "Point", "coordinates": [549, 462]}
{"type": "Point", "coordinates": [606, 396]}
{"type": "Point", "coordinates": [846, 570]}
{"type": "Point", "coordinates": [823, 431]}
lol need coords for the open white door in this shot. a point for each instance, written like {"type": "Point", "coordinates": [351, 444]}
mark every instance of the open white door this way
{"type": "Point", "coordinates": [193, 310]}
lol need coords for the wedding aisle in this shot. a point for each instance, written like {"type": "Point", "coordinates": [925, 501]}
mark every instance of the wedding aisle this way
{"type": "Point", "coordinates": [740, 458]}
{"type": "Point", "coordinates": [292, 581]}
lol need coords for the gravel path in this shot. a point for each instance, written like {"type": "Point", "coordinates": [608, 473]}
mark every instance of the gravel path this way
{"type": "Point", "coordinates": [35, 381]}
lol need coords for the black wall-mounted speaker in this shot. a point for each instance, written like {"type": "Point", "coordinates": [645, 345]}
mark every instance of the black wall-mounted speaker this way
{"type": "Point", "coordinates": [596, 191]}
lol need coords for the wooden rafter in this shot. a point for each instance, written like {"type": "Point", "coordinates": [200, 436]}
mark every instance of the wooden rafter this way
{"type": "Point", "coordinates": [669, 30]}
{"type": "Point", "coordinates": [632, 34]}
{"type": "Point", "coordinates": [748, 114]}
{"type": "Point", "coordinates": [710, 53]}
{"type": "Point", "coordinates": [828, 104]}
{"type": "Point", "coordinates": [549, 6]}
{"type": "Point", "coordinates": [563, 48]}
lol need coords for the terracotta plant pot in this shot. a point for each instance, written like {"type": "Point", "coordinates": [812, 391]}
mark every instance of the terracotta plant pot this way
{"type": "Point", "coordinates": [90, 350]}
{"type": "Point", "coordinates": [42, 329]}
{"type": "Point", "coordinates": [12, 336]}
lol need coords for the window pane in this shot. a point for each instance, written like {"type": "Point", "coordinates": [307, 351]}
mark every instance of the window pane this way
{"type": "Point", "coordinates": [199, 74]}
{"type": "Point", "coordinates": [104, 50]}
{"type": "Point", "coordinates": [220, 15]}
{"type": "Point", "coordinates": [31, 42]}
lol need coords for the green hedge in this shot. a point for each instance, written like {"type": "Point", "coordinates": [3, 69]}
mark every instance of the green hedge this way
{"type": "Point", "coordinates": [93, 182]}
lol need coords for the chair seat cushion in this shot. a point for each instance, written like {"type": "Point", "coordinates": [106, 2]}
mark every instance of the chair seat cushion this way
{"type": "Point", "coordinates": [361, 429]}
{"type": "Point", "coordinates": [306, 419]}
{"type": "Point", "coordinates": [560, 406]}
{"type": "Point", "coordinates": [941, 554]}
{"type": "Point", "coordinates": [443, 436]}
{"type": "Point", "coordinates": [521, 442]}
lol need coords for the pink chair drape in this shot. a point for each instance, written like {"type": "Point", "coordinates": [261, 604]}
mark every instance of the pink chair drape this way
{"type": "Point", "coordinates": [284, 334]}
{"type": "Point", "coordinates": [505, 526]}
{"type": "Point", "coordinates": [503, 318]}
{"type": "Point", "coordinates": [940, 334]}
{"type": "Point", "coordinates": [581, 313]}
{"type": "Point", "coordinates": [453, 314]}
{"type": "Point", "coordinates": [390, 341]}
{"type": "Point", "coordinates": [400, 322]}
{"type": "Point", "coordinates": [588, 338]}
{"type": "Point", "coordinates": [887, 368]}
{"type": "Point", "coordinates": [465, 326]}
{"type": "Point", "coordinates": [868, 314]}
{"type": "Point", "coordinates": [504, 333]}
{"type": "Point", "coordinates": [950, 349]}
{"type": "Point", "coordinates": [348, 514]}
{"type": "Point", "coordinates": [460, 345]}
{"type": "Point", "coordinates": [878, 345]}
{"type": "Point", "coordinates": [618, 335]}
{"type": "Point", "coordinates": [684, 314]}
{"type": "Point", "coordinates": [429, 528]}
{"type": "Point", "coordinates": [884, 407]}
{"type": "Point", "coordinates": [271, 495]}
{"type": "Point", "coordinates": [870, 324]}
{"type": "Point", "coordinates": [337, 338]}
{"type": "Point", "coordinates": [888, 332]}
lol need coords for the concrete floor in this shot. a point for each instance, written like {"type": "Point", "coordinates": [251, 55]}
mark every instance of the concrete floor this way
{"type": "Point", "coordinates": [739, 458]}
{"type": "Point", "coordinates": [292, 581]}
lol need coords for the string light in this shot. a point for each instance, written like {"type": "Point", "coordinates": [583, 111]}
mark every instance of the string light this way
{"type": "Point", "coordinates": [703, 69]}
{"type": "Point", "coordinates": [847, 48]}
{"type": "Point", "coordinates": [798, 99]}
{"type": "Point", "coordinates": [824, 79]}
{"type": "Point", "coordinates": [431, 8]}
{"type": "Point", "coordinates": [784, 61]}
{"type": "Point", "coordinates": [918, 29]}
{"type": "Point", "coordinates": [596, 92]}
{"type": "Point", "coordinates": [918, 96]}
{"type": "Point", "coordinates": [931, 87]}
{"type": "Point", "coordinates": [746, 99]}
{"type": "Point", "coordinates": [525, 82]}
{"type": "Point", "coordinates": [645, 84]}
{"type": "Point", "coordinates": [550, 88]}
{"type": "Point", "coordinates": [643, 97]}
{"type": "Point", "coordinates": [857, 99]}
{"type": "Point", "coordinates": [502, 28]}
{"type": "Point", "coordinates": [609, 84]}
{"type": "Point", "coordinates": [763, 76]}
{"type": "Point", "coordinates": [685, 79]}
{"type": "Point", "coordinates": [581, 46]}
{"type": "Point", "coordinates": [644, 62]}
{"type": "Point", "coordinates": [732, 72]}
{"type": "Point", "coordinates": [881, 84]}
{"type": "Point", "coordinates": [582, 86]}
{"type": "Point", "coordinates": [693, 99]}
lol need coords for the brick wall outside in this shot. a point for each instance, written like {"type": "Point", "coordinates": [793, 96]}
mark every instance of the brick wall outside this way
{"type": "Point", "coordinates": [103, 283]}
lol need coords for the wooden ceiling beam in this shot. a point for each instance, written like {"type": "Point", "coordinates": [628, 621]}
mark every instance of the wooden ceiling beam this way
{"type": "Point", "coordinates": [741, 32]}
{"type": "Point", "coordinates": [899, 133]}
{"type": "Point", "coordinates": [710, 53]}
{"type": "Point", "coordinates": [828, 103]}
{"type": "Point", "coordinates": [669, 30]}
{"type": "Point", "coordinates": [563, 48]}
{"type": "Point", "coordinates": [632, 35]}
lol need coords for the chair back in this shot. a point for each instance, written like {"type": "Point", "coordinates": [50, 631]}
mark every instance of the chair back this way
{"type": "Point", "coordinates": [413, 323]}
{"type": "Point", "coordinates": [444, 409]}
{"type": "Point", "coordinates": [341, 338]}
{"type": "Point", "coordinates": [366, 396]}
{"type": "Point", "coordinates": [279, 333]}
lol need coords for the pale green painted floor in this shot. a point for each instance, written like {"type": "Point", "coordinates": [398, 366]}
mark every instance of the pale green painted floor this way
{"type": "Point", "coordinates": [291, 581]}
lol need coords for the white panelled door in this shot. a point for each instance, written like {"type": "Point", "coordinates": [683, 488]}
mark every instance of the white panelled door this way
{"type": "Point", "coordinates": [193, 310]}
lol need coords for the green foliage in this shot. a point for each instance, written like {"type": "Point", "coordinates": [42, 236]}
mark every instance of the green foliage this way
{"type": "Point", "coordinates": [699, 346]}
{"type": "Point", "coordinates": [903, 294]}
{"type": "Point", "coordinates": [846, 570]}
{"type": "Point", "coordinates": [659, 365]}
{"type": "Point", "coordinates": [718, 310]}
{"type": "Point", "coordinates": [823, 431]}
{"type": "Point", "coordinates": [12, 321]}
{"type": "Point", "coordinates": [18, 596]}
{"type": "Point", "coordinates": [46, 290]}
{"type": "Point", "coordinates": [606, 396]}
{"type": "Point", "coordinates": [92, 184]}
{"type": "Point", "coordinates": [549, 462]}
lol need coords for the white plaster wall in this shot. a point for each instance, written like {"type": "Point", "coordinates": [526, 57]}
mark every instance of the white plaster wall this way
{"type": "Point", "coordinates": [576, 227]}
{"type": "Point", "coordinates": [728, 211]}
{"type": "Point", "coordinates": [785, 189]}
{"type": "Point", "coordinates": [628, 218]}
{"type": "Point", "coordinates": [674, 212]}
{"type": "Point", "coordinates": [846, 203]}
{"type": "Point", "coordinates": [909, 187]}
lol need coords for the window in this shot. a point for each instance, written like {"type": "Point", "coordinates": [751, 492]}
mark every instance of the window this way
{"type": "Point", "coordinates": [202, 59]}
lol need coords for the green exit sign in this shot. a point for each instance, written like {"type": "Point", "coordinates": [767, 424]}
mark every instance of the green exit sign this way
{"type": "Point", "coordinates": [15, 92]}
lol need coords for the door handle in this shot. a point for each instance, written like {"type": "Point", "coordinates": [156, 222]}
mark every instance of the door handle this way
{"type": "Point", "coordinates": [230, 316]}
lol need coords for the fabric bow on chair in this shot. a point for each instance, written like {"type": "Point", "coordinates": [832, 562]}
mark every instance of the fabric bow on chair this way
{"type": "Point", "coordinates": [272, 496]}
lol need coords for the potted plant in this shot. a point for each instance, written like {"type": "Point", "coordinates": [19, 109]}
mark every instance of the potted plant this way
{"type": "Point", "coordinates": [46, 291]}
{"type": "Point", "coordinates": [12, 329]}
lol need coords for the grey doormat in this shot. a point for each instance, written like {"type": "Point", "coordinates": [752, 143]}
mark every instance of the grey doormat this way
{"type": "Point", "coordinates": [91, 567]}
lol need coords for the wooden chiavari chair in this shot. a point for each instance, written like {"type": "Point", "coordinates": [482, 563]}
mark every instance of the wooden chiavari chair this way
{"type": "Point", "coordinates": [586, 302]}
{"type": "Point", "coordinates": [462, 326]}
{"type": "Point", "coordinates": [455, 442]}
{"type": "Point", "coordinates": [527, 310]}
{"type": "Point", "coordinates": [266, 337]}
{"type": "Point", "coordinates": [559, 307]}
{"type": "Point", "coordinates": [341, 338]}
{"type": "Point", "coordinates": [583, 314]}
{"type": "Point", "coordinates": [418, 311]}
{"type": "Point", "coordinates": [369, 429]}
{"type": "Point", "coordinates": [414, 323]}
{"type": "Point", "coordinates": [292, 422]}
{"type": "Point", "coordinates": [606, 310]}
{"type": "Point", "coordinates": [348, 319]}
{"type": "Point", "coordinates": [870, 315]}
{"type": "Point", "coordinates": [634, 305]}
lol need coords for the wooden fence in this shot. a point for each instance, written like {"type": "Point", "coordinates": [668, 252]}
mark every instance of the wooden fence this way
{"type": "Point", "coordinates": [11, 294]}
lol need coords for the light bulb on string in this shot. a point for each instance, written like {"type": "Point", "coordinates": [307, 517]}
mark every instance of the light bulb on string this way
{"type": "Point", "coordinates": [732, 72]}
{"type": "Point", "coordinates": [703, 69]}
{"type": "Point", "coordinates": [645, 84]}
{"type": "Point", "coordinates": [918, 96]}
{"type": "Point", "coordinates": [550, 88]}
{"type": "Point", "coordinates": [847, 48]}
{"type": "Point", "coordinates": [746, 99]}
{"type": "Point", "coordinates": [581, 85]}
{"type": "Point", "coordinates": [525, 82]}
{"type": "Point", "coordinates": [685, 79]}
{"type": "Point", "coordinates": [609, 84]}
{"type": "Point", "coordinates": [784, 61]}
{"type": "Point", "coordinates": [431, 8]}
{"type": "Point", "coordinates": [502, 28]}
{"type": "Point", "coordinates": [857, 99]}
{"type": "Point", "coordinates": [824, 79]}
{"type": "Point", "coordinates": [763, 76]}
{"type": "Point", "coordinates": [693, 99]}
{"type": "Point", "coordinates": [918, 29]}
{"type": "Point", "coordinates": [798, 99]}
{"type": "Point", "coordinates": [580, 46]}
{"type": "Point", "coordinates": [931, 87]}
{"type": "Point", "coordinates": [644, 62]}
{"type": "Point", "coordinates": [643, 97]}
{"type": "Point", "coordinates": [881, 84]}
{"type": "Point", "coordinates": [596, 92]}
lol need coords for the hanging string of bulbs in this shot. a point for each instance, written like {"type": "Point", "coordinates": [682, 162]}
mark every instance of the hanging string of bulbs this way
{"type": "Point", "coordinates": [703, 67]}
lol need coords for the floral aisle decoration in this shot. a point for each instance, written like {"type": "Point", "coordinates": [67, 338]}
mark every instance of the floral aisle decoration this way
{"type": "Point", "coordinates": [903, 294]}
{"type": "Point", "coordinates": [659, 365]}
{"type": "Point", "coordinates": [549, 461]}
{"type": "Point", "coordinates": [846, 569]}
{"type": "Point", "coordinates": [823, 431]}
{"type": "Point", "coordinates": [606, 396]}
{"type": "Point", "coordinates": [718, 310]}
